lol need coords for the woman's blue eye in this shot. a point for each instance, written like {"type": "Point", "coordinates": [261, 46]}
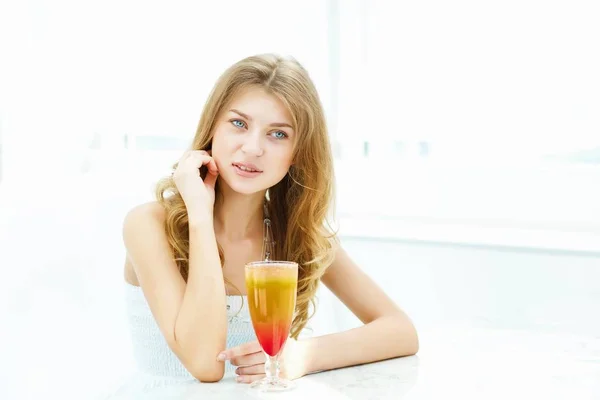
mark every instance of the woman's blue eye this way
{"type": "Point", "coordinates": [238, 123]}
{"type": "Point", "coordinates": [279, 135]}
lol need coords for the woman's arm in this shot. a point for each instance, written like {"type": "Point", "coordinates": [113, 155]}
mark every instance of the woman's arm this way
{"type": "Point", "coordinates": [387, 333]}
{"type": "Point", "coordinates": [191, 317]}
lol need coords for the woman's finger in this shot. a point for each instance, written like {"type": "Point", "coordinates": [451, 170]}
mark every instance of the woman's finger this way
{"type": "Point", "coordinates": [201, 159]}
{"type": "Point", "coordinates": [241, 350]}
{"type": "Point", "coordinates": [212, 166]}
{"type": "Point", "coordinates": [199, 153]}
{"type": "Point", "coordinates": [198, 160]}
{"type": "Point", "coordinates": [184, 156]}
{"type": "Point", "coordinates": [249, 359]}
{"type": "Point", "coordinates": [249, 378]}
{"type": "Point", "coordinates": [251, 370]}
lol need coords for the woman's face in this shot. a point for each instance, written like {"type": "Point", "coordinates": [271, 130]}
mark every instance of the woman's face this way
{"type": "Point", "coordinates": [253, 141]}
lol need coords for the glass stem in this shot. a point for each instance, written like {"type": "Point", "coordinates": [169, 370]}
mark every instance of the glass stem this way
{"type": "Point", "coordinates": [272, 367]}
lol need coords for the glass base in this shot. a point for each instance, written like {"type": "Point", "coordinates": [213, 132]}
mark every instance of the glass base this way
{"type": "Point", "coordinates": [272, 385]}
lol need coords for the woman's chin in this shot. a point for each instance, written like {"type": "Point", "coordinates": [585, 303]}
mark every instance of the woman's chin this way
{"type": "Point", "coordinates": [247, 187]}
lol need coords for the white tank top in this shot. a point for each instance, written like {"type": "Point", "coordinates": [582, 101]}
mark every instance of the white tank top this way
{"type": "Point", "coordinates": [151, 352]}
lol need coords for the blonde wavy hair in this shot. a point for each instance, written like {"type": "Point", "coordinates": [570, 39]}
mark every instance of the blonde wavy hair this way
{"type": "Point", "coordinates": [299, 205]}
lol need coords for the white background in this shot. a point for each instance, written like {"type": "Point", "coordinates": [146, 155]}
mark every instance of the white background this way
{"type": "Point", "coordinates": [466, 135]}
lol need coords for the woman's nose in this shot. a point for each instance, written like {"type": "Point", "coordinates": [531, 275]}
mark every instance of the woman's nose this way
{"type": "Point", "coordinates": [253, 144]}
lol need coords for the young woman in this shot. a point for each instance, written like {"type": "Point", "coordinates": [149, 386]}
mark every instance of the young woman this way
{"type": "Point", "coordinates": [261, 147]}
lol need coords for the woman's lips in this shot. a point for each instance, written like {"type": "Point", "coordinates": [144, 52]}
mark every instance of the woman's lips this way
{"type": "Point", "coordinates": [246, 170]}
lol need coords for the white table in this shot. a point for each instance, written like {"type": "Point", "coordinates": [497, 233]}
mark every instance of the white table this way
{"type": "Point", "coordinates": [452, 364]}
{"type": "Point", "coordinates": [382, 380]}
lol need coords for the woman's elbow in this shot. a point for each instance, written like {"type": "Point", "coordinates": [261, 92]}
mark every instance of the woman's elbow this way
{"type": "Point", "coordinates": [206, 370]}
{"type": "Point", "coordinates": [413, 341]}
{"type": "Point", "coordinates": [413, 346]}
{"type": "Point", "coordinates": [199, 364]}
{"type": "Point", "coordinates": [409, 339]}
{"type": "Point", "coordinates": [207, 375]}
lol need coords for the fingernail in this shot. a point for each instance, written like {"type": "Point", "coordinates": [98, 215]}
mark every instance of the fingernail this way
{"type": "Point", "coordinates": [238, 379]}
{"type": "Point", "coordinates": [221, 357]}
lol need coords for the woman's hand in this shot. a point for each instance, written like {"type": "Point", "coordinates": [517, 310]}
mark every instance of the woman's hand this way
{"type": "Point", "coordinates": [197, 194]}
{"type": "Point", "coordinates": [250, 360]}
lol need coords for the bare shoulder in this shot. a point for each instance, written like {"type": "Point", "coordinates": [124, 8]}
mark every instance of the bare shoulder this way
{"type": "Point", "coordinates": [141, 220]}
{"type": "Point", "coordinates": [151, 212]}
{"type": "Point", "coordinates": [149, 254]}
{"type": "Point", "coordinates": [143, 233]}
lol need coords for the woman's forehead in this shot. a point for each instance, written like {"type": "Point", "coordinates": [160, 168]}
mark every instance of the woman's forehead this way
{"type": "Point", "coordinates": [260, 106]}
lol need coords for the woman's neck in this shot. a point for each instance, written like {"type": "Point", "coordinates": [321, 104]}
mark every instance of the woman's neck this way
{"type": "Point", "coordinates": [238, 216]}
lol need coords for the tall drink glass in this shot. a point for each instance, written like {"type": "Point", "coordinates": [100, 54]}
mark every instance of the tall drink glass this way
{"type": "Point", "coordinates": [271, 289]}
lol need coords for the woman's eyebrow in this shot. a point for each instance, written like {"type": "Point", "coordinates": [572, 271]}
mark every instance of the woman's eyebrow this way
{"type": "Point", "coordinates": [241, 114]}
{"type": "Point", "coordinates": [281, 125]}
